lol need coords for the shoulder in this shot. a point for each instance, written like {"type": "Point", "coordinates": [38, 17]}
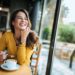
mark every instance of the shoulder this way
{"type": "Point", "coordinates": [7, 34]}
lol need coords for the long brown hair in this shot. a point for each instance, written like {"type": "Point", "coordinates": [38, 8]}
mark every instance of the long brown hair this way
{"type": "Point", "coordinates": [32, 39]}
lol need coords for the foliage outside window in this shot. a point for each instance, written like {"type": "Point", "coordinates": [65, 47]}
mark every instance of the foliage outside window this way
{"type": "Point", "coordinates": [66, 33]}
{"type": "Point", "coordinates": [46, 33]}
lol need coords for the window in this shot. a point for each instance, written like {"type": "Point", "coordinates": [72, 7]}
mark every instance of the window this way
{"type": "Point", "coordinates": [4, 18]}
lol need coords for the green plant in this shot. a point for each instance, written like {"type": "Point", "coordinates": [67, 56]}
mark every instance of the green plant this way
{"type": "Point", "coordinates": [46, 33]}
{"type": "Point", "coordinates": [67, 33]}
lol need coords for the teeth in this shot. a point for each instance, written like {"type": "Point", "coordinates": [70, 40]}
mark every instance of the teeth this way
{"type": "Point", "coordinates": [22, 24]}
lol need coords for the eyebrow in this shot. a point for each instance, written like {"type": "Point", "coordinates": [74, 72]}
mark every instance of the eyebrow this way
{"type": "Point", "coordinates": [21, 16]}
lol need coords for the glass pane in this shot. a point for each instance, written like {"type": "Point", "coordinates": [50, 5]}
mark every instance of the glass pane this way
{"type": "Point", "coordinates": [45, 33]}
{"type": "Point", "coordinates": [64, 50]}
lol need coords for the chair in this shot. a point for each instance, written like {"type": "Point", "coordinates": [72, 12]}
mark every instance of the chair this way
{"type": "Point", "coordinates": [35, 59]}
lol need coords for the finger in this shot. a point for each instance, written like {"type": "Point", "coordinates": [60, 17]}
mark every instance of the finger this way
{"type": "Point", "coordinates": [28, 29]}
{"type": "Point", "coordinates": [31, 31]}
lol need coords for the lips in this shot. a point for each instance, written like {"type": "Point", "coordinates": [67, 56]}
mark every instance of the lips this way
{"type": "Point", "coordinates": [23, 24]}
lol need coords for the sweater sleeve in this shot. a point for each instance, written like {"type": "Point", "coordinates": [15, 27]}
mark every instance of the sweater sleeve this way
{"type": "Point", "coordinates": [3, 42]}
{"type": "Point", "coordinates": [24, 54]}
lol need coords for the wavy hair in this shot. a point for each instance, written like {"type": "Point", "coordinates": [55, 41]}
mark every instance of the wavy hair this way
{"type": "Point", "coordinates": [32, 39]}
{"type": "Point", "coordinates": [13, 16]}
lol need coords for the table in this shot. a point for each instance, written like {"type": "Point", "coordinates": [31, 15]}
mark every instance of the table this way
{"type": "Point", "coordinates": [23, 70]}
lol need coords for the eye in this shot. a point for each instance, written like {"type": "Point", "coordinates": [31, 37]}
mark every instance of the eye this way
{"type": "Point", "coordinates": [22, 18]}
{"type": "Point", "coordinates": [25, 19]}
{"type": "Point", "coordinates": [19, 17]}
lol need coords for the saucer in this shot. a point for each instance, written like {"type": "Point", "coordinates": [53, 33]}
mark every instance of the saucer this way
{"type": "Point", "coordinates": [3, 66]}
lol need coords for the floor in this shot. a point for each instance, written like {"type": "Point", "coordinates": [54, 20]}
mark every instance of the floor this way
{"type": "Point", "coordinates": [59, 67]}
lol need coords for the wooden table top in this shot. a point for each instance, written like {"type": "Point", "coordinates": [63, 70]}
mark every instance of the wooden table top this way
{"type": "Point", "coordinates": [23, 70]}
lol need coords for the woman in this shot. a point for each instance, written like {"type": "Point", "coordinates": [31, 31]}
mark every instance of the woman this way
{"type": "Point", "coordinates": [21, 40]}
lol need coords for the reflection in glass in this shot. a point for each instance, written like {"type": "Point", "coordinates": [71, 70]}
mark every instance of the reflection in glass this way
{"type": "Point", "coordinates": [45, 33]}
{"type": "Point", "coordinates": [64, 50]}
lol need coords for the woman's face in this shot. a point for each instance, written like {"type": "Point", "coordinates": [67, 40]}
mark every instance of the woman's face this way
{"type": "Point", "coordinates": [21, 21]}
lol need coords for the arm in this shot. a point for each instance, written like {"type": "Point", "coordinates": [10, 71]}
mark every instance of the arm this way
{"type": "Point", "coordinates": [3, 42]}
{"type": "Point", "coordinates": [24, 54]}
{"type": "Point", "coordinates": [2, 46]}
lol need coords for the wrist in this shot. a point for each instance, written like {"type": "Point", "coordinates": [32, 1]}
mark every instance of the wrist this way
{"type": "Point", "coordinates": [23, 42]}
{"type": "Point", "coordinates": [22, 45]}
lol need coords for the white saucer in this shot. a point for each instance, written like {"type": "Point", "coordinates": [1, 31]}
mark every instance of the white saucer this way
{"type": "Point", "coordinates": [3, 66]}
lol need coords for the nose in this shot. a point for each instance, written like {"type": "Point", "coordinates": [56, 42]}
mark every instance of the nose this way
{"type": "Point", "coordinates": [22, 19]}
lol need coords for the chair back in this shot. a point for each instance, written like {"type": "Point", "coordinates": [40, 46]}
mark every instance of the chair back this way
{"type": "Point", "coordinates": [35, 59]}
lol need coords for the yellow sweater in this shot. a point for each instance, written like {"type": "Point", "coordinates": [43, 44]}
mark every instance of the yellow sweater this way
{"type": "Point", "coordinates": [21, 52]}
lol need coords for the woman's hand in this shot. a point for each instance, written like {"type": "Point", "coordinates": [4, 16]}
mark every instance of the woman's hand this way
{"type": "Point", "coordinates": [24, 34]}
{"type": "Point", "coordinates": [3, 55]}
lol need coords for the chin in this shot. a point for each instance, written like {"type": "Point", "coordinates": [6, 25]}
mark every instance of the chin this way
{"type": "Point", "coordinates": [22, 28]}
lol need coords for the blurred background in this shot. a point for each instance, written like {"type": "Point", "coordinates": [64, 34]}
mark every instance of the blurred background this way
{"type": "Point", "coordinates": [42, 13]}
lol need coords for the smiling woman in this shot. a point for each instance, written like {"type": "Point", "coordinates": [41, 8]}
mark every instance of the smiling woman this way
{"type": "Point", "coordinates": [21, 40]}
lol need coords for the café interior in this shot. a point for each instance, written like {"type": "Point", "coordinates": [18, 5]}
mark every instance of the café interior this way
{"type": "Point", "coordinates": [44, 17]}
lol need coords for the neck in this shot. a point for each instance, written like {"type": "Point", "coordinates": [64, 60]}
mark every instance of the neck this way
{"type": "Point", "coordinates": [17, 33]}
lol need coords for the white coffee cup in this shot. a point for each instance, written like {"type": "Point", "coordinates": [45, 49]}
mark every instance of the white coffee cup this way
{"type": "Point", "coordinates": [10, 63]}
